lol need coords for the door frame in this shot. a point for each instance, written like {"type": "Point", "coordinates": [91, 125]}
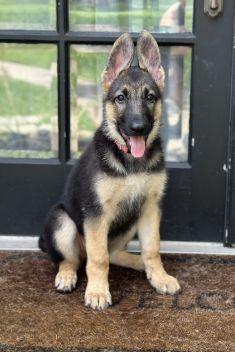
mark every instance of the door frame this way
{"type": "Point", "coordinates": [193, 211]}
{"type": "Point", "coordinates": [230, 197]}
{"type": "Point", "coordinates": [210, 154]}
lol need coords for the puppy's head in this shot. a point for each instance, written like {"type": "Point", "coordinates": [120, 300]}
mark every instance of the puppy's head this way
{"type": "Point", "coordinates": [132, 94]}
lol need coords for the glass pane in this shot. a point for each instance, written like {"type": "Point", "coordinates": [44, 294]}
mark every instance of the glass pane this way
{"type": "Point", "coordinates": [176, 102]}
{"type": "Point", "coordinates": [28, 100]}
{"type": "Point", "coordinates": [28, 14]}
{"type": "Point", "coordinates": [171, 16]}
{"type": "Point", "coordinates": [87, 62]}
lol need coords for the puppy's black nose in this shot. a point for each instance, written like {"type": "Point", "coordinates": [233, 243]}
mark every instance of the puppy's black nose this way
{"type": "Point", "coordinates": [138, 126]}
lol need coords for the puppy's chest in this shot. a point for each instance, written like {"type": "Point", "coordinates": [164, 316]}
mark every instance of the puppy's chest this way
{"type": "Point", "coordinates": [127, 195]}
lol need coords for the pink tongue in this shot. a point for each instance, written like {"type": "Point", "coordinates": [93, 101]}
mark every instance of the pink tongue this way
{"type": "Point", "coordinates": [137, 146]}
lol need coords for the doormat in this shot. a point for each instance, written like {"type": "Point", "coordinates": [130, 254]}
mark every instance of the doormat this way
{"type": "Point", "coordinates": [35, 317]}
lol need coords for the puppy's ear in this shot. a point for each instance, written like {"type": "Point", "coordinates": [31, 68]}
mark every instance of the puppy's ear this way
{"type": "Point", "coordinates": [119, 59]}
{"type": "Point", "coordinates": [149, 57]}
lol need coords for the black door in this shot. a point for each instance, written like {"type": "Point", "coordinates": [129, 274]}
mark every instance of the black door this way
{"type": "Point", "coordinates": [50, 100]}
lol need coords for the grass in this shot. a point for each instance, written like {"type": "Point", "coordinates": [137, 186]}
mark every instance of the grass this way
{"type": "Point", "coordinates": [117, 13]}
{"type": "Point", "coordinates": [107, 17]}
{"type": "Point", "coordinates": [39, 55]}
{"type": "Point", "coordinates": [84, 121]}
{"type": "Point", "coordinates": [40, 14]}
{"type": "Point", "coordinates": [22, 98]}
{"type": "Point", "coordinates": [89, 64]}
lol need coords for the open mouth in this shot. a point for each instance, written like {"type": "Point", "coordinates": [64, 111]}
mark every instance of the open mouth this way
{"type": "Point", "coordinates": [135, 144]}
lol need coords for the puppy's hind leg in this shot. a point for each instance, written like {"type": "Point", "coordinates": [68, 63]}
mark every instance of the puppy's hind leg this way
{"type": "Point", "coordinates": [128, 260]}
{"type": "Point", "coordinates": [119, 256]}
{"type": "Point", "coordinates": [66, 240]}
{"type": "Point", "coordinates": [65, 246]}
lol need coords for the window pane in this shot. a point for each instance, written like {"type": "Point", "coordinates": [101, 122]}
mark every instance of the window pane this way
{"type": "Point", "coordinates": [28, 101]}
{"type": "Point", "coordinates": [87, 62]}
{"type": "Point", "coordinates": [28, 14]}
{"type": "Point", "coordinates": [171, 16]}
{"type": "Point", "coordinates": [176, 102]}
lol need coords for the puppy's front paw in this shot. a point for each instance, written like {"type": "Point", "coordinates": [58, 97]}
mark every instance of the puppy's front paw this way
{"type": "Point", "coordinates": [65, 281]}
{"type": "Point", "coordinates": [164, 283]}
{"type": "Point", "coordinates": [98, 299]}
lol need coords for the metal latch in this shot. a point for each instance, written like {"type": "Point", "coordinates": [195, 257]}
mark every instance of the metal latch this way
{"type": "Point", "coordinates": [213, 8]}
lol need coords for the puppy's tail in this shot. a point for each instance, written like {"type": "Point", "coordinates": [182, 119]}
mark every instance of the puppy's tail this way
{"type": "Point", "coordinates": [51, 221]}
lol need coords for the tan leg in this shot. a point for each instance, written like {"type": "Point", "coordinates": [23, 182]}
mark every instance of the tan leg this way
{"type": "Point", "coordinates": [68, 242]}
{"type": "Point", "coordinates": [129, 260]}
{"type": "Point", "coordinates": [148, 230]}
{"type": "Point", "coordinates": [119, 256]}
{"type": "Point", "coordinates": [66, 278]}
{"type": "Point", "coordinates": [97, 295]}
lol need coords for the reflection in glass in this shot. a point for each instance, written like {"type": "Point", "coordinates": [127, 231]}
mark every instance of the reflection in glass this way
{"type": "Point", "coordinates": [87, 63]}
{"type": "Point", "coordinates": [176, 61]}
{"type": "Point", "coordinates": [28, 14]}
{"type": "Point", "coordinates": [171, 16]}
{"type": "Point", "coordinates": [28, 101]}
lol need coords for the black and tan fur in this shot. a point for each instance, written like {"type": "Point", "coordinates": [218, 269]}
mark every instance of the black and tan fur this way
{"type": "Point", "coordinates": [110, 194]}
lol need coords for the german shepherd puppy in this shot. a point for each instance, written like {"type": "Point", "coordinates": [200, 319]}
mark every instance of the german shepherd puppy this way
{"type": "Point", "coordinates": [115, 188]}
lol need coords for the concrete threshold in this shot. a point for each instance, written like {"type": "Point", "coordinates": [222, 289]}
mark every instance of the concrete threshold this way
{"type": "Point", "coordinates": [30, 243]}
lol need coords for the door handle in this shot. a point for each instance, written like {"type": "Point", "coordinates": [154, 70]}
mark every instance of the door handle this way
{"type": "Point", "coordinates": [212, 8]}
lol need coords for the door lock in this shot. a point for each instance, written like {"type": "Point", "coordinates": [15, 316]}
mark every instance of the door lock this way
{"type": "Point", "coordinates": [212, 8]}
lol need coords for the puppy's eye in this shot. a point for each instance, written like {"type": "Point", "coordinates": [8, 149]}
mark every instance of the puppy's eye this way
{"type": "Point", "coordinates": [150, 98]}
{"type": "Point", "coordinates": [120, 98]}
